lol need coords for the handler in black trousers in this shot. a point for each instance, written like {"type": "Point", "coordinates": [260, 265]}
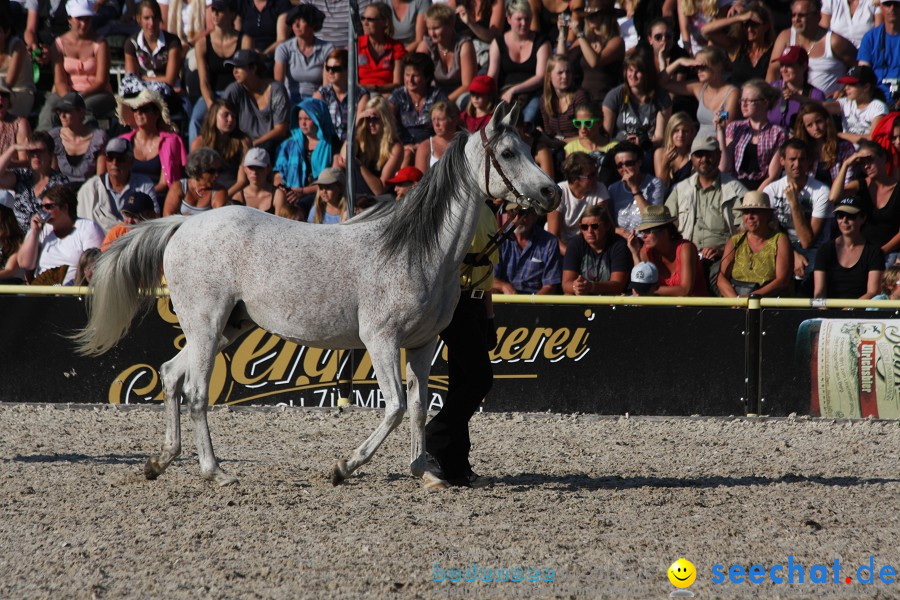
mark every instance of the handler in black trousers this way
{"type": "Point", "coordinates": [469, 337]}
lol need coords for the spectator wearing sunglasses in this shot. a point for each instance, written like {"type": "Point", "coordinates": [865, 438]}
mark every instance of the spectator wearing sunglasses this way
{"type": "Point", "coordinates": [56, 237]}
{"type": "Point", "coordinates": [300, 61]}
{"type": "Point", "coordinates": [580, 190]}
{"type": "Point", "coordinates": [27, 183]}
{"type": "Point", "coordinates": [159, 152]}
{"type": "Point", "coordinates": [102, 197]}
{"type": "Point", "coordinates": [881, 187]}
{"type": "Point", "coordinates": [863, 278]}
{"type": "Point", "coordinates": [592, 138]}
{"type": "Point", "coordinates": [335, 92]}
{"type": "Point", "coordinates": [200, 190]}
{"type": "Point", "coordinates": [598, 261]}
{"type": "Point", "coordinates": [635, 191]}
{"type": "Point", "coordinates": [380, 69]}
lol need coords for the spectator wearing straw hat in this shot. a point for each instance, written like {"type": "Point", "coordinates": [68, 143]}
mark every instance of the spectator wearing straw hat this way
{"type": "Point", "coordinates": [404, 180]}
{"type": "Point", "coordinates": [676, 258]}
{"type": "Point", "coordinates": [530, 262]}
{"type": "Point", "coordinates": [266, 125]}
{"type": "Point", "coordinates": [758, 260]}
{"type": "Point", "coordinates": [159, 152]}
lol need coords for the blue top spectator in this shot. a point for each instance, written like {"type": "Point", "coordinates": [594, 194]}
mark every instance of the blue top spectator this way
{"type": "Point", "coordinates": [530, 263]}
{"type": "Point", "coordinates": [880, 47]}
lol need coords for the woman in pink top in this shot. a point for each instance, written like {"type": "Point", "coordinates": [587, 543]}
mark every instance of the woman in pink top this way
{"type": "Point", "coordinates": [159, 153]}
{"type": "Point", "coordinates": [80, 61]}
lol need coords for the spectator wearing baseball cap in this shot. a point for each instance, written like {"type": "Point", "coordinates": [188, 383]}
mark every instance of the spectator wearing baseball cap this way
{"type": "Point", "coordinates": [79, 145]}
{"type": "Point", "coordinates": [863, 279]}
{"type": "Point", "coordinates": [483, 100]}
{"type": "Point", "coordinates": [267, 126]}
{"type": "Point", "coordinates": [644, 279]}
{"type": "Point", "coordinates": [81, 63]}
{"type": "Point", "coordinates": [260, 192]}
{"type": "Point", "coordinates": [794, 86]}
{"type": "Point", "coordinates": [330, 204]}
{"type": "Point", "coordinates": [102, 197]}
{"type": "Point", "coordinates": [404, 180]}
{"type": "Point", "coordinates": [136, 208]}
{"type": "Point", "coordinates": [861, 107]}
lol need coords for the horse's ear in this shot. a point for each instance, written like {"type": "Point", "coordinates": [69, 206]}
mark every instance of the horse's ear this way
{"type": "Point", "coordinates": [499, 114]}
{"type": "Point", "coordinates": [512, 117]}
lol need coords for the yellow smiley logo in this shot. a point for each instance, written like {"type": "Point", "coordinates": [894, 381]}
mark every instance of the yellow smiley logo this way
{"type": "Point", "coordinates": [682, 573]}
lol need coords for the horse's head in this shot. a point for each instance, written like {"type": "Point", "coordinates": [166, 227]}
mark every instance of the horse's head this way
{"type": "Point", "coordinates": [508, 170]}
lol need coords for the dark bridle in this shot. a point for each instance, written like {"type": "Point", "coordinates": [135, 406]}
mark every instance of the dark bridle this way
{"type": "Point", "coordinates": [491, 159]}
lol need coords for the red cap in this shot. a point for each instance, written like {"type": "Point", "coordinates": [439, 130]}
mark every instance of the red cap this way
{"type": "Point", "coordinates": [483, 84]}
{"type": "Point", "coordinates": [406, 175]}
{"type": "Point", "coordinates": [793, 55]}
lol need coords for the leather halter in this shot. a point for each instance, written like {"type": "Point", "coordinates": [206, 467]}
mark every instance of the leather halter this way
{"type": "Point", "coordinates": [491, 159]}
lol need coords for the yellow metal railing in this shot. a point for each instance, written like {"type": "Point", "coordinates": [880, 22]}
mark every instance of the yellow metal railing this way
{"type": "Point", "coordinates": [55, 290]}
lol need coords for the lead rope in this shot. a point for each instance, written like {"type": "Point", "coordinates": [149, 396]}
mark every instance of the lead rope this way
{"type": "Point", "coordinates": [476, 259]}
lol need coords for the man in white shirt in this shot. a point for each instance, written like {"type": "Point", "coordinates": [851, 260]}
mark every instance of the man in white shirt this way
{"type": "Point", "coordinates": [56, 237]}
{"type": "Point", "coordinates": [801, 207]}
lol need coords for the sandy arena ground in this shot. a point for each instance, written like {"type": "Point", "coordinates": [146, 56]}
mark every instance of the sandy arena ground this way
{"type": "Point", "coordinates": [606, 503]}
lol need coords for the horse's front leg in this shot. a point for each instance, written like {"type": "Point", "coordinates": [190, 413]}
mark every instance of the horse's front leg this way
{"type": "Point", "coordinates": [418, 366]}
{"type": "Point", "coordinates": [386, 362]}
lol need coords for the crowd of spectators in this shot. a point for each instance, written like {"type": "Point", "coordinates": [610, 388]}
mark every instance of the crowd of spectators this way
{"type": "Point", "coordinates": [728, 147]}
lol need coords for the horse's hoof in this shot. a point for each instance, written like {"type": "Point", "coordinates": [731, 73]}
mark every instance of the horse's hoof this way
{"type": "Point", "coordinates": [152, 470]}
{"type": "Point", "coordinates": [339, 472]}
{"type": "Point", "coordinates": [417, 467]}
{"type": "Point", "coordinates": [220, 477]}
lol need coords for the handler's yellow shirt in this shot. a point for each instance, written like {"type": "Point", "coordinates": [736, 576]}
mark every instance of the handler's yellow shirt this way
{"type": "Point", "coordinates": [487, 228]}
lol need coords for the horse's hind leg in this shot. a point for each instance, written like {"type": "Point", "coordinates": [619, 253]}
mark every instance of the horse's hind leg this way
{"type": "Point", "coordinates": [386, 361]}
{"type": "Point", "coordinates": [202, 350]}
{"type": "Point", "coordinates": [418, 366]}
{"type": "Point", "coordinates": [172, 375]}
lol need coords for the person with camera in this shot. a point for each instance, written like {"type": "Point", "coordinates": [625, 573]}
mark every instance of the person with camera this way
{"type": "Point", "coordinates": [56, 237]}
{"type": "Point", "coordinates": [752, 142]}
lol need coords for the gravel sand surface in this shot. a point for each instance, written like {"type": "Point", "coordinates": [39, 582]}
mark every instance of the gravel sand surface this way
{"type": "Point", "coordinates": [602, 506]}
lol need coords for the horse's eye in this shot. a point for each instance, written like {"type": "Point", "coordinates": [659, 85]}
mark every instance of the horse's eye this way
{"type": "Point", "coordinates": [507, 154]}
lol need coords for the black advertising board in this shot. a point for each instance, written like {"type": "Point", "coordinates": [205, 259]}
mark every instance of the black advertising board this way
{"type": "Point", "coordinates": [564, 358]}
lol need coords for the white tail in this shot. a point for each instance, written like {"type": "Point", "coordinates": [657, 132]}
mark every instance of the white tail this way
{"type": "Point", "coordinates": [125, 279]}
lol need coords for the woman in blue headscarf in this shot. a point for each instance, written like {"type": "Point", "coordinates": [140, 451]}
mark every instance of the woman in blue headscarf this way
{"type": "Point", "coordinates": [308, 151]}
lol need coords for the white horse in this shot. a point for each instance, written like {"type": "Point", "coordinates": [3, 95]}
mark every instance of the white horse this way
{"type": "Point", "coordinates": [385, 280]}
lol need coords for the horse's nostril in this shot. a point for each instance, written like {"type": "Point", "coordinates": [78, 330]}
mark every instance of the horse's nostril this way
{"type": "Point", "coordinates": [548, 191]}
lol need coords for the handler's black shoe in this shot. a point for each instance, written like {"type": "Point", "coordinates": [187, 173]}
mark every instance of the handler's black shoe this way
{"type": "Point", "coordinates": [472, 480]}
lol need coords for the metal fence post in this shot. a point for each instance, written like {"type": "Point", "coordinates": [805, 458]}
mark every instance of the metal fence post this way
{"type": "Point", "coordinates": [752, 343]}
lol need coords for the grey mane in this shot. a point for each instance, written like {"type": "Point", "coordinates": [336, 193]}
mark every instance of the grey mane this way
{"type": "Point", "coordinates": [418, 218]}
